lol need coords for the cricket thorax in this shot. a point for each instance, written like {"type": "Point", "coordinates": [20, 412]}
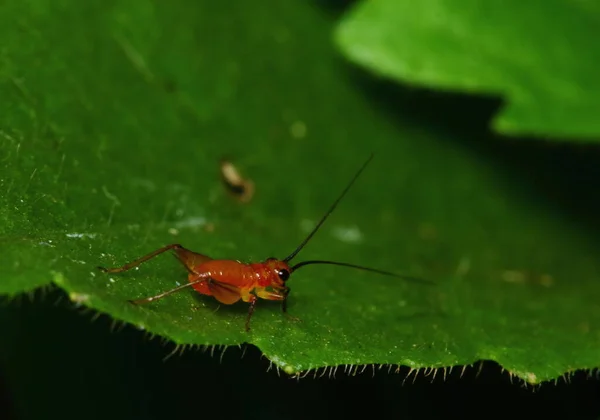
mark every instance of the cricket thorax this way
{"type": "Point", "coordinates": [271, 273]}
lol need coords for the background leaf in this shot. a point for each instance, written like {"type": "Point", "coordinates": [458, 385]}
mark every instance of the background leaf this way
{"type": "Point", "coordinates": [540, 56]}
{"type": "Point", "coordinates": [117, 115]}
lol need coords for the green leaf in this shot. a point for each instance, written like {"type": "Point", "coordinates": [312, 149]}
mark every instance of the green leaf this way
{"type": "Point", "coordinates": [540, 56]}
{"type": "Point", "coordinates": [115, 116]}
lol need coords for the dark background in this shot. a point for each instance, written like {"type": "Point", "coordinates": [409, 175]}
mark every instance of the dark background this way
{"type": "Point", "coordinates": [61, 364]}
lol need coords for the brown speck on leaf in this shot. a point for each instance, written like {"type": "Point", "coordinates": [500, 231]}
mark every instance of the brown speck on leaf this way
{"type": "Point", "coordinates": [240, 188]}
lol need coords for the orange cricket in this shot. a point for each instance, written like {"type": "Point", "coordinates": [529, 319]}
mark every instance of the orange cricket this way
{"type": "Point", "coordinates": [229, 281]}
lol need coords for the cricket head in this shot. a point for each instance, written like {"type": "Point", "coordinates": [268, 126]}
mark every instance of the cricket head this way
{"type": "Point", "coordinates": [278, 271]}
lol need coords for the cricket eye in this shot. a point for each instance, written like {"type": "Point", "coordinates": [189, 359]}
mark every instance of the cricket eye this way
{"type": "Point", "coordinates": [283, 274]}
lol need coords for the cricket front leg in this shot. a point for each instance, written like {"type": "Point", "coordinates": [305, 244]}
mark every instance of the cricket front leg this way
{"type": "Point", "coordinates": [284, 306]}
{"type": "Point", "coordinates": [278, 295]}
{"type": "Point", "coordinates": [252, 299]}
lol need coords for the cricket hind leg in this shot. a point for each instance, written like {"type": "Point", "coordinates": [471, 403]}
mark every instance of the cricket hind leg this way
{"type": "Point", "coordinates": [188, 258]}
{"type": "Point", "coordinates": [140, 260]}
{"type": "Point", "coordinates": [168, 292]}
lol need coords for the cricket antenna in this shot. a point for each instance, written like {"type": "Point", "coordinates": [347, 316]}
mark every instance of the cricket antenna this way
{"type": "Point", "coordinates": [360, 267]}
{"type": "Point", "coordinates": [331, 209]}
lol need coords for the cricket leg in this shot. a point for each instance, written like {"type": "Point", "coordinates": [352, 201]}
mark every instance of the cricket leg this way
{"type": "Point", "coordinates": [141, 260]}
{"type": "Point", "coordinates": [278, 295]}
{"type": "Point", "coordinates": [167, 293]}
{"type": "Point", "coordinates": [253, 299]}
{"type": "Point", "coordinates": [284, 306]}
{"type": "Point", "coordinates": [190, 259]}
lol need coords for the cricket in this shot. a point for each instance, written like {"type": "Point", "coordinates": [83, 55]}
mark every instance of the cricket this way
{"type": "Point", "coordinates": [229, 281]}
